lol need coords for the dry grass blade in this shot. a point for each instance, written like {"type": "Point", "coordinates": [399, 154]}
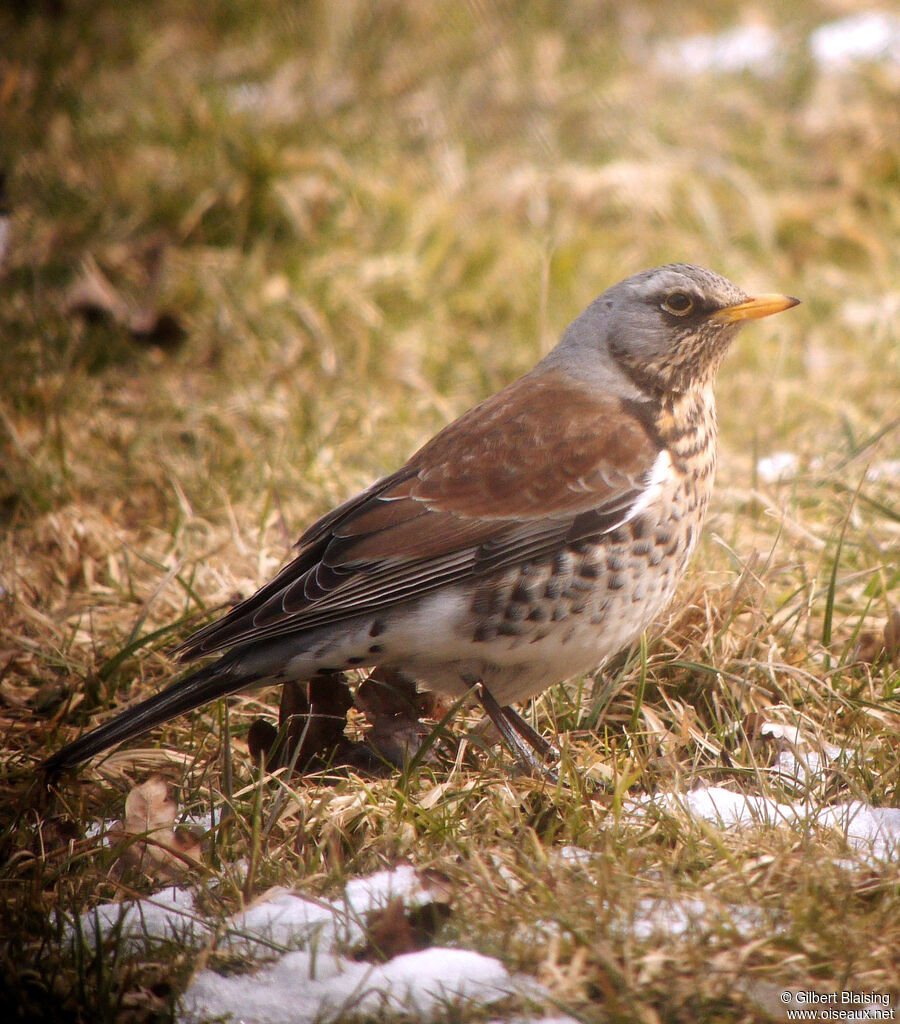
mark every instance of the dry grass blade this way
{"type": "Point", "coordinates": [364, 218]}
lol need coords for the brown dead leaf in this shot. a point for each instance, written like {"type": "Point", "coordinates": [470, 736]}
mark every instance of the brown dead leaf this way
{"type": "Point", "coordinates": [149, 808]}
{"type": "Point", "coordinates": [157, 850]}
{"type": "Point", "coordinates": [397, 929]}
{"type": "Point", "coordinates": [875, 646]}
{"type": "Point", "coordinates": [93, 297]}
{"type": "Point", "coordinates": [393, 709]}
{"type": "Point", "coordinates": [313, 718]}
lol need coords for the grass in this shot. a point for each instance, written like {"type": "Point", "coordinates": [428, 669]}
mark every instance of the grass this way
{"type": "Point", "coordinates": [363, 218]}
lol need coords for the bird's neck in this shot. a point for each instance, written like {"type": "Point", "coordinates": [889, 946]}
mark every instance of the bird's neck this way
{"type": "Point", "coordinates": [687, 425]}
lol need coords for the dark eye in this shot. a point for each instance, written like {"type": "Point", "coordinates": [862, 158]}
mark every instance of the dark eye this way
{"type": "Point", "coordinates": [679, 303]}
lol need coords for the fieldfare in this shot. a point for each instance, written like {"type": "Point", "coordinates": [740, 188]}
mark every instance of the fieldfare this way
{"type": "Point", "coordinates": [527, 542]}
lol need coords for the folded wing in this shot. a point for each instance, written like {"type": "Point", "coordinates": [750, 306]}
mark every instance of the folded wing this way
{"type": "Point", "coordinates": [539, 464]}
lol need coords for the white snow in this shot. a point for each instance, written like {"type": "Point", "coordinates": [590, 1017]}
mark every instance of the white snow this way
{"type": "Point", "coordinates": [302, 987]}
{"type": "Point", "coordinates": [872, 832]}
{"type": "Point", "coordinates": [284, 920]}
{"type": "Point", "coordinates": [745, 48]}
{"type": "Point", "coordinates": [168, 915]}
{"type": "Point", "coordinates": [887, 469]}
{"type": "Point", "coordinates": [869, 36]}
{"type": "Point", "coordinates": [777, 466]}
{"type": "Point", "coordinates": [293, 945]}
{"type": "Point", "coordinates": [295, 948]}
{"type": "Point", "coordinates": [835, 46]}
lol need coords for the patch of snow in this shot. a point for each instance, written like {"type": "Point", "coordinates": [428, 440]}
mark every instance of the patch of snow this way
{"type": "Point", "coordinates": [300, 987]}
{"type": "Point", "coordinates": [873, 832]}
{"type": "Point", "coordinates": [314, 982]}
{"type": "Point", "coordinates": [880, 311]}
{"type": "Point", "coordinates": [668, 917]}
{"type": "Point", "coordinates": [168, 915]}
{"type": "Point", "coordinates": [777, 466]}
{"type": "Point", "coordinates": [655, 917]}
{"type": "Point", "coordinates": [574, 855]}
{"type": "Point", "coordinates": [280, 921]}
{"type": "Point", "coordinates": [745, 48]}
{"type": "Point", "coordinates": [284, 920]}
{"type": "Point", "coordinates": [888, 469]}
{"type": "Point", "coordinates": [870, 36]}
{"type": "Point", "coordinates": [802, 766]}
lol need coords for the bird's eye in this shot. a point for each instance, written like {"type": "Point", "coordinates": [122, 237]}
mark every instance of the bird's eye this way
{"type": "Point", "coordinates": [679, 303]}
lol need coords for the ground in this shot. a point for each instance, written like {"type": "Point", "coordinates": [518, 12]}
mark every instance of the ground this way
{"type": "Point", "coordinates": [256, 254]}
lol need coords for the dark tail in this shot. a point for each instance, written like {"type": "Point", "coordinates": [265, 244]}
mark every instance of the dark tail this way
{"type": "Point", "coordinates": [208, 684]}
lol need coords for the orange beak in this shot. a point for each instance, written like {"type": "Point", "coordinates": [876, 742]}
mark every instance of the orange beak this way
{"type": "Point", "coordinates": [754, 309]}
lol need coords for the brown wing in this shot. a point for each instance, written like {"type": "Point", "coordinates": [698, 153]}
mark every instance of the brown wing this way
{"type": "Point", "coordinates": [538, 464]}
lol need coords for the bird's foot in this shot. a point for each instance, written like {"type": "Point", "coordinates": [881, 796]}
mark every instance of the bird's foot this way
{"type": "Point", "coordinates": [528, 747]}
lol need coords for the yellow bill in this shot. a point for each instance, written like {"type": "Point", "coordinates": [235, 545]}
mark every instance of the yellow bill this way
{"type": "Point", "coordinates": [755, 309]}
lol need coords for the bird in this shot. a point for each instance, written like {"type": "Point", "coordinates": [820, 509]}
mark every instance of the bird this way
{"type": "Point", "coordinates": [530, 540]}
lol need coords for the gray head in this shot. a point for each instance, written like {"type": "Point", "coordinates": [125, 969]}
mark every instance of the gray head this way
{"type": "Point", "coordinates": [666, 329]}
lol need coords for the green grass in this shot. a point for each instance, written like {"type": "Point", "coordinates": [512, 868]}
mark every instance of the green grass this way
{"type": "Point", "coordinates": [371, 216]}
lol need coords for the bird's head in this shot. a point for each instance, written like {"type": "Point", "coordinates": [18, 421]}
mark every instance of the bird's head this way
{"type": "Point", "coordinates": [668, 329]}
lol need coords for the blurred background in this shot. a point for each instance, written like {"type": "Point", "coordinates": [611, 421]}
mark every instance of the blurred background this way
{"type": "Point", "coordinates": [253, 254]}
{"type": "Point", "coordinates": [276, 245]}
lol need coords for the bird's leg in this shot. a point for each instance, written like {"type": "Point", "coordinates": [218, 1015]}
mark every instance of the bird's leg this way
{"type": "Point", "coordinates": [518, 735]}
{"type": "Point", "coordinates": [545, 750]}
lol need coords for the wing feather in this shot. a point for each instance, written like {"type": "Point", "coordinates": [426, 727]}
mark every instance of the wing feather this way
{"type": "Point", "coordinates": [540, 464]}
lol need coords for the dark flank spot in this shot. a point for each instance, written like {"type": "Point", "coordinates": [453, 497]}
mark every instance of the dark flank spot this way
{"type": "Point", "coordinates": [378, 627]}
{"type": "Point", "coordinates": [615, 582]}
{"type": "Point", "coordinates": [619, 536]}
{"type": "Point", "coordinates": [663, 536]}
{"type": "Point", "coordinates": [562, 563]}
{"type": "Point", "coordinates": [559, 613]}
{"type": "Point", "coordinates": [578, 586]}
{"type": "Point", "coordinates": [694, 448]}
{"type": "Point", "coordinates": [515, 612]}
{"type": "Point", "coordinates": [538, 614]}
{"type": "Point", "coordinates": [689, 535]}
{"type": "Point", "coordinates": [640, 548]}
{"type": "Point", "coordinates": [484, 633]}
{"type": "Point", "coordinates": [655, 557]}
{"type": "Point", "coordinates": [580, 547]}
{"type": "Point", "coordinates": [376, 649]}
{"type": "Point", "coordinates": [615, 563]}
{"type": "Point", "coordinates": [553, 589]}
{"type": "Point", "coordinates": [522, 593]}
{"type": "Point", "coordinates": [640, 527]}
{"type": "Point", "coordinates": [539, 635]}
{"type": "Point", "coordinates": [577, 608]}
{"type": "Point", "coordinates": [590, 570]}
{"type": "Point", "coordinates": [355, 661]}
{"type": "Point", "coordinates": [510, 629]}
{"type": "Point", "coordinates": [673, 549]}
{"type": "Point", "coordinates": [488, 601]}
{"type": "Point", "coordinates": [599, 617]}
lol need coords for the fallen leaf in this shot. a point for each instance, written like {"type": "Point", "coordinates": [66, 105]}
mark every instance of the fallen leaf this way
{"type": "Point", "coordinates": [94, 298]}
{"type": "Point", "coordinates": [874, 646]}
{"type": "Point", "coordinates": [397, 929]}
{"type": "Point", "coordinates": [156, 849]}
